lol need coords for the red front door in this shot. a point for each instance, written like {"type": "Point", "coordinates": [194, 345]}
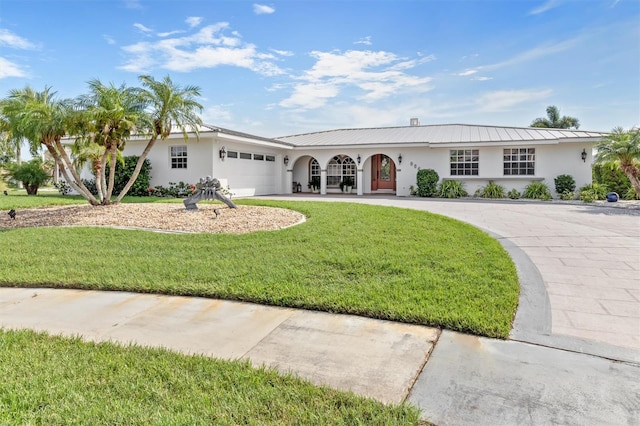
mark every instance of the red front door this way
{"type": "Point", "coordinates": [383, 173]}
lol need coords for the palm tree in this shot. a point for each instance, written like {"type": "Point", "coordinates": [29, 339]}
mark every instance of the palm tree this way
{"type": "Point", "coordinates": [622, 148]}
{"type": "Point", "coordinates": [554, 121]}
{"type": "Point", "coordinates": [168, 105]}
{"type": "Point", "coordinates": [111, 115]}
{"type": "Point", "coordinates": [42, 119]}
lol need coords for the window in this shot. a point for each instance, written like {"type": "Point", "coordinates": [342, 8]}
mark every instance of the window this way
{"type": "Point", "coordinates": [519, 161]}
{"type": "Point", "coordinates": [464, 162]}
{"type": "Point", "coordinates": [315, 168]}
{"type": "Point", "coordinates": [179, 157]}
{"type": "Point", "coordinates": [245, 156]}
{"type": "Point", "coordinates": [259, 157]}
{"type": "Point", "coordinates": [232, 154]}
{"type": "Point", "coordinates": [269, 158]}
{"type": "Point", "coordinates": [340, 167]}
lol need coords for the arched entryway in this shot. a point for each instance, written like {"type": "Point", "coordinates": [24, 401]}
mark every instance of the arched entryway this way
{"type": "Point", "coordinates": [383, 174]}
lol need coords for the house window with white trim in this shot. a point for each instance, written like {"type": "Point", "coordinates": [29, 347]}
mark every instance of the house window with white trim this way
{"type": "Point", "coordinates": [338, 168]}
{"type": "Point", "coordinates": [315, 168]}
{"type": "Point", "coordinates": [464, 162]}
{"type": "Point", "coordinates": [178, 157]}
{"type": "Point", "coordinates": [519, 161]}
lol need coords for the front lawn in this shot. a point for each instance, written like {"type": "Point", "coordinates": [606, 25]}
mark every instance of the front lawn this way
{"type": "Point", "coordinates": [380, 262]}
{"type": "Point", "coordinates": [60, 381]}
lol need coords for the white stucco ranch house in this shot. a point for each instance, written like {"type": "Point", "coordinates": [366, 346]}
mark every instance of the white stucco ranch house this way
{"type": "Point", "coordinates": [379, 160]}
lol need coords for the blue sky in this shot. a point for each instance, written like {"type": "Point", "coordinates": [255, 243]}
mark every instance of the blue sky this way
{"type": "Point", "coordinates": [283, 67]}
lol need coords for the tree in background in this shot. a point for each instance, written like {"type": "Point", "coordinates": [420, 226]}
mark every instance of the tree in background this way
{"type": "Point", "coordinates": [32, 175]}
{"type": "Point", "coordinates": [554, 121]}
{"type": "Point", "coordinates": [622, 148]}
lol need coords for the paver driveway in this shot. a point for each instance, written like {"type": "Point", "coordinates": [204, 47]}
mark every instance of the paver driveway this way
{"type": "Point", "coordinates": [588, 256]}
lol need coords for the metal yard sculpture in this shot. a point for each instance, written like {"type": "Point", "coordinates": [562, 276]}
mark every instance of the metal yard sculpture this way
{"type": "Point", "coordinates": [207, 188]}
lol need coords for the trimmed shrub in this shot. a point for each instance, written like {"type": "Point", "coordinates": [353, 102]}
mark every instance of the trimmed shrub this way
{"type": "Point", "coordinates": [427, 182]}
{"type": "Point", "coordinates": [514, 194]}
{"type": "Point", "coordinates": [564, 183]}
{"type": "Point", "coordinates": [491, 190]}
{"type": "Point", "coordinates": [123, 173]}
{"type": "Point", "coordinates": [537, 191]}
{"type": "Point", "coordinates": [452, 189]}
{"type": "Point", "coordinates": [175, 190]}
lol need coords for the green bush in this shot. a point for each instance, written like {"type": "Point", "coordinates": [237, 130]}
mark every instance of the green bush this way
{"type": "Point", "coordinates": [593, 192]}
{"type": "Point", "coordinates": [427, 182]}
{"type": "Point", "coordinates": [514, 194]}
{"type": "Point", "coordinates": [174, 190]}
{"type": "Point", "coordinates": [31, 174]}
{"type": "Point", "coordinates": [612, 176]}
{"type": "Point", "coordinates": [537, 191]}
{"type": "Point", "coordinates": [631, 194]}
{"type": "Point", "coordinates": [123, 172]}
{"type": "Point", "coordinates": [491, 190]}
{"type": "Point", "coordinates": [63, 187]}
{"type": "Point", "coordinates": [564, 183]}
{"type": "Point", "coordinates": [567, 195]}
{"type": "Point", "coordinates": [452, 189]}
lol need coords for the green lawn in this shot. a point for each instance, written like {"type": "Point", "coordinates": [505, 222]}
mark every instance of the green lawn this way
{"type": "Point", "coordinates": [59, 381]}
{"type": "Point", "coordinates": [380, 262]}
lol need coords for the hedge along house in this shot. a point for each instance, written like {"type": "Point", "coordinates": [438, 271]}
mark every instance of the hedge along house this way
{"type": "Point", "coordinates": [378, 160]}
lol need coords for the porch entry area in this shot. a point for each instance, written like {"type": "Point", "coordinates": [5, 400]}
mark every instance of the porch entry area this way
{"type": "Point", "coordinates": [383, 174]}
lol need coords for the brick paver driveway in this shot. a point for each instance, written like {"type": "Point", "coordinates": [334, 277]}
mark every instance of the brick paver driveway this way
{"type": "Point", "coordinates": [588, 256]}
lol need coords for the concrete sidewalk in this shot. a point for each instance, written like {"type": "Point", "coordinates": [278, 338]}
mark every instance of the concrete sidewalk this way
{"type": "Point", "coordinates": [455, 379]}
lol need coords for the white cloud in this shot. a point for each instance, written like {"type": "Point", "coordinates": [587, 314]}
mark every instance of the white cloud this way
{"type": "Point", "coordinates": [142, 28]}
{"type": "Point", "coordinates": [217, 115]}
{"type": "Point", "coordinates": [482, 78]}
{"type": "Point", "coordinates": [10, 69]}
{"type": "Point", "coordinates": [467, 72]}
{"type": "Point", "coordinates": [502, 100]}
{"type": "Point", "coordinates": [533, 54]}
{"type": "Point", "coordinates": [209, 47]}
{"type": "Point", "coordinates": [261, 9]}
{"type": "Point", "coordinates": [282, 52]}
{"type": "Point", "coordinates": [193, 21]}
{"type": "Point", "coordinates": [108, 39]}
{"type": "Point", "coordinates": [548, 5]}
{"type": "Point", "coordinates": [170, 33]}
{"type": "Point", "coordinates": [366, 41]}
{"type": "Point", "coordinates": [374, 76]}
{"type": "Point", "coordinates": [7, 38]}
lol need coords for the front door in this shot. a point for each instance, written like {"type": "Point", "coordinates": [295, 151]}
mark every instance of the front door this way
{"type": "Point", "coordinates": [383, 173]}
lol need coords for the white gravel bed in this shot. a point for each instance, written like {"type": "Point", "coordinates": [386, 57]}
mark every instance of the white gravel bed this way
{"type": "Point", "coordinates": [158, 216]}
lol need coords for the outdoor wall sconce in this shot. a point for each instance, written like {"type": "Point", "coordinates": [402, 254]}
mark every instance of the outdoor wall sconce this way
{"type": "Point", "coordinates": [223, 153]}
{"type": "Point", "coordinates": [286, 160]}
{"type": "Point", "coordinates": [359, 159]}
{"type": "Point", "coordinates": [584, 155]}
{"type": "Point", "coordinates": [399, 158]}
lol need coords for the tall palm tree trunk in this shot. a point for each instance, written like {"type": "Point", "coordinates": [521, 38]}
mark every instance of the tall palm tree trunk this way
{"type": "Point", "coordinates": [631, 170]}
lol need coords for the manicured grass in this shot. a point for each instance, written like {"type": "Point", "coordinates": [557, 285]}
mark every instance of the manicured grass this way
{"type": "Point", "coordinates": [380, 262]}
{"type": "Point", "coordinates": [56, 381]}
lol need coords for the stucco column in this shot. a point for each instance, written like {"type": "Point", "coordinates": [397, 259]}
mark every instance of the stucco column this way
{"type": "Point", "coordinates": [289, 182]}
{"type": "Point", "coordinates": [360, 182]}
{"type": "Point", "coordinates": [323, 182]}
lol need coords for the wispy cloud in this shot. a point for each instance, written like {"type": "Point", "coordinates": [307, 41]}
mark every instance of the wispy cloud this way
{"type": "Point", "coordinates": [365, 40]}
{"type": "Point", "coordinates": [261, 9]}
{"type": "Point", "coordinates": [10, 69]}
{"type": "Point", "coordinates": [108, 39]}
{"type": "Point", "coordinates": [133, 4]}
{"type": "Point", "coordinates": [375, 75]}
{"type": "Point", "coordinates": [548, 5]}
{"type": "Point", "coordinates": [481, 78]}
{"type": "Point", "coordinates": [467, 72]}
{"type": "Point", "coordinates": [209, 47]}
{"type": "Point", "coordinates": [502, 100]}
{"type": "Point", "coordinates": [282, 52]}
{"type": "Point", "coordinates": [193, 21]}
{"type": "Point", "coordinates": [142, 28]}
{"type": "Point", "coordinates": [170, 33]}
{"type": "Point", "coordinates": [9, 39]}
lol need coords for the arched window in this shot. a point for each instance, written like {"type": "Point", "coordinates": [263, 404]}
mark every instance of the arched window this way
{"type": "Point", "coordinates": [315, 168]}
{"type": "Point", "coordinates": [339, 167]}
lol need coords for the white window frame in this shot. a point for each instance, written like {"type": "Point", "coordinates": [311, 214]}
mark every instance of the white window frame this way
{"type": "Point", "coordinates": [519, 161]}
{"type": "Point", "coordinates": [464, 162]}
{"type": "Point", "coordinates": [178, 156]}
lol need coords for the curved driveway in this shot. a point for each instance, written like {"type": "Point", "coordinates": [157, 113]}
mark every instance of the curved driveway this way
{"type": "Point", "coordinates": [588, 257]}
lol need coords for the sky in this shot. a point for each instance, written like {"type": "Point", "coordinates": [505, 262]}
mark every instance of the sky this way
{"type": "Point", "coordinates": [277, 68]}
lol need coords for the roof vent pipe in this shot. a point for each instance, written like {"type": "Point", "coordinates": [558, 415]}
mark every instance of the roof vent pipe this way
{"type": "Point", "coordinates": [414, 122]}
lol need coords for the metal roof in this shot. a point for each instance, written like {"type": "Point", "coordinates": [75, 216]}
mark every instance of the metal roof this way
{"type": "Point", "coordinates": [437, 134]}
